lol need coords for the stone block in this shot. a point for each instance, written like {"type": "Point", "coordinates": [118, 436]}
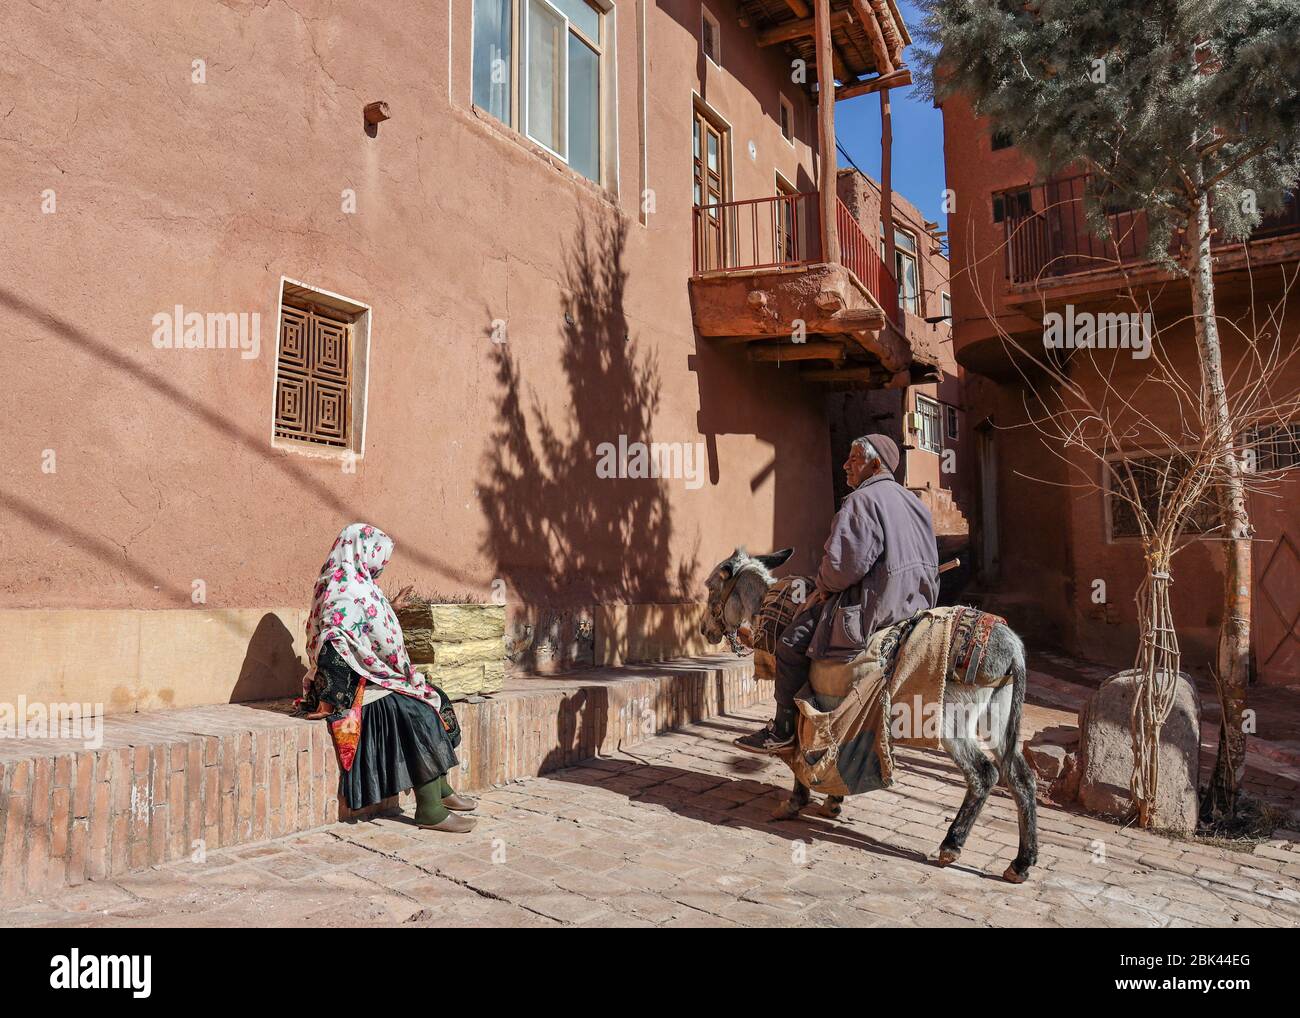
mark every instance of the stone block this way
{"type": "Point", "coordinates": [426, 626]}
{"type": "Point", "coordinates": [463, 680]}
{"type": "Point", "coordinates": [1106, 753]}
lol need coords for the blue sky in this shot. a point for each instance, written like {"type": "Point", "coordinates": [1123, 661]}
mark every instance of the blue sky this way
{"type": "Point", "coordinates": [918, 138]}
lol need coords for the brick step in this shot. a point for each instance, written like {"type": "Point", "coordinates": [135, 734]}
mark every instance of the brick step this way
{"type": "Point", "coordinates": [164, 785]}
{"type": "Point", "coordinates": [945, 512]}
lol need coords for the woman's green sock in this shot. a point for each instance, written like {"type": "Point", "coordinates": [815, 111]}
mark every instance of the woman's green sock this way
{"type": "Point", "coordinates": [444, 787]}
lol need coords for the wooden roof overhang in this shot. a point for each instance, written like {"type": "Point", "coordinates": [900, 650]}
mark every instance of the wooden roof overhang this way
{"type": "Point", "coordinates": [867, 40]}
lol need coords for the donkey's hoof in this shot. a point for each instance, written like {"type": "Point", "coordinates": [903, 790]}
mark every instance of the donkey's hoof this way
{"type": "Point", "coordinates": [830, 809]}
{"type": "Point", "coordinates": [787, 810]}
{"type": "Point", "coordinates": [1012, 876]}
{"type": "Point", "coordinates": [948, 856]}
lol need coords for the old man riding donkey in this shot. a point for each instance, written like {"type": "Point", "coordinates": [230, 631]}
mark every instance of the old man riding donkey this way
{"type": "Point", "coordinates": [864, 660]}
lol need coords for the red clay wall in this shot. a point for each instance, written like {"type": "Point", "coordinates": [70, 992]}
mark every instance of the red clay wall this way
{"type": "Point", "coordinates": [479, 458]}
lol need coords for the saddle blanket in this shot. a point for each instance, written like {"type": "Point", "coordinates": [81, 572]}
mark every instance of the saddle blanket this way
{"type": "Point", "coordinates": [891, 693]}
{"type": "Point", "coordinates": [783, 601]}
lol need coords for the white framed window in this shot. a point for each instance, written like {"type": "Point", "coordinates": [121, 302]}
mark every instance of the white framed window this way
{"type": "Point", "coordinates": [787, 120]}
{"type": "Point", "coordinates": [905, 266]}
{"type": "Point", "coordinates": [927, 415]}
{"type": "Point", "coordinates": [710, 36]}
{"type": "Point", "coordinates": [945, 304]}
{"type": "Point", "coordinates": [545, 68]}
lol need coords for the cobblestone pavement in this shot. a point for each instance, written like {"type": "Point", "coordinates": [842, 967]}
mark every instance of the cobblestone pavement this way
{"type": "Point", "coordinates": [675, 832]}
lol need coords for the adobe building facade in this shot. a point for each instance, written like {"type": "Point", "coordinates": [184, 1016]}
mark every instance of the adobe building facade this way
{"type": "Point", "coordinates": [458, 269]}
{"type": "Point", "coordinates": [927, 419]}
{"type": "Point", "coordinates": [1050, 548]}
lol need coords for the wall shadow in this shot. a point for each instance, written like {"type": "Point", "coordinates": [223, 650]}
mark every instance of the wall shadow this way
{"type": "Point", "coordinates": [271, 668]}
{"type": "Point", "coordinates": [560, 535]}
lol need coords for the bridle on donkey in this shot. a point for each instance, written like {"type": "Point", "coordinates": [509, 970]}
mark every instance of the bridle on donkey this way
{"type": "Point", "coordinates": [718, 613]}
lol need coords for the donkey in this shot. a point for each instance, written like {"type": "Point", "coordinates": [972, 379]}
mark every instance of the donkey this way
{"type": "Point", "coordinates": [735, 592]}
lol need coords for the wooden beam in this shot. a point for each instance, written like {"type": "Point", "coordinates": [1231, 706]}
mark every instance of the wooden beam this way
{"type": "Point", "coordinates": [897, 78]}
{"type": "Point", "coordinates": [826, 134]}
{"type": "Point", "coordinates": [869, 375]}
{"type": "Point", "coordinates": [867, 18]}
{"type": "Point", "coordinates": [887, 182]}
{"type": "Point", "coordinates": [800, 29]}
{"type": "Point", "coordinates": [853, 319]}
{"type": "Point", "coordinates": [811, 351]}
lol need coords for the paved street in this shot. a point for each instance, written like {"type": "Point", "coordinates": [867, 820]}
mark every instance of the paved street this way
{"type": "Point", "coordinates": [675, 833]}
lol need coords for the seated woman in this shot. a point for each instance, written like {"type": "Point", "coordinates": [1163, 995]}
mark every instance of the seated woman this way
{"type": "Point", "coordinates": [383, 715]}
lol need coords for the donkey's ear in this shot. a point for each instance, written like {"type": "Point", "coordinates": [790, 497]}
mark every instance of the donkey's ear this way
{"type": "Point", "coordinates": [777, 558]}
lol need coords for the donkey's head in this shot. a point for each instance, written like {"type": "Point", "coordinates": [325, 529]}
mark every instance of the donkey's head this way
{"type": "Point", "coordinates": [736, 588]}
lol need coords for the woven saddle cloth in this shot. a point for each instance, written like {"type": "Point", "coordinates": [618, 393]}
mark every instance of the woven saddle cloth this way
{"type": "Point", "coordinates": [846, 711]}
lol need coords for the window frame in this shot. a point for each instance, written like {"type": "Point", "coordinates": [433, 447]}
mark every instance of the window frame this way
{"type": "Point", "coordinates": [919, 401]}
{"type": "Point", "coordinates": [708, 17]}
{"type": "Point", "coordinates": [951, 423]}
{"type": "Point", "coordinates": [1109, 500]}
{"type": "Point", "coordinates": [291, 292]}
{"type": "Point", "coordinates": [703, 113]}
{"type": "Point", "coordinates": [914, 255]}
{"type": "Point", "coordinates": [787, 107]}
{"type": "Point", "coordinates": [606, 80]}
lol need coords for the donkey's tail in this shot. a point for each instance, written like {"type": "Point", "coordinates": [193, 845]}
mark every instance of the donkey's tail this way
{"type": "Point", "coordinates": [1019, 673]}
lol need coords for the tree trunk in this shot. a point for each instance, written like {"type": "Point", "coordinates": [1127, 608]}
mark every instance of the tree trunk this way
{"type": "Point", "coordinates": [1233, 665]}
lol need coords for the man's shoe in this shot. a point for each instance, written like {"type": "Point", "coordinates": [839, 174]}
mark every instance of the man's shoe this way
{"type": "Point", "coordinates": [775, 736]}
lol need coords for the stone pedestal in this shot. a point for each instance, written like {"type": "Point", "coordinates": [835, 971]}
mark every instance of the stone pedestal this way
{"type": "Point", "coordinates": [1106, 753]}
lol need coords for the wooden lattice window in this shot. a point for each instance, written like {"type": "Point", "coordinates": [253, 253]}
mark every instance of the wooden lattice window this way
{"type": "Point", "coordinates": [313, 397]}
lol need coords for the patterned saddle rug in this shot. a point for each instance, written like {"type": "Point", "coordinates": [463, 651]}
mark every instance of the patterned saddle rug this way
{"type": "Point", "coordinates": [844, 743]}
{"type": "Point", "coordinates": [782, 602]}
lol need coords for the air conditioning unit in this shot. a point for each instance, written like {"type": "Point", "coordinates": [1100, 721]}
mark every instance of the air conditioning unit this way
{"type": "Point", "coordinates": [912, 422]}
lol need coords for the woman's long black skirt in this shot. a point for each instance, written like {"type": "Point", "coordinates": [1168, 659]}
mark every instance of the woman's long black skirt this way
{"type": "Point", "coordinates": [403, 745]}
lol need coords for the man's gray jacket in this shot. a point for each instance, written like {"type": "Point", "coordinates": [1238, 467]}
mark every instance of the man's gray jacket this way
{"type": "Point", "coordinates": [881, 566]}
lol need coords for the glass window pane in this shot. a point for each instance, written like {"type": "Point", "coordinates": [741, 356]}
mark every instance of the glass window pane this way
{"type": "Point", "coordinates": [904, 240]}
{"type": "Point", "coordinates": [546, 84]}
{"type": "Point", "coordinates": [585, 17]}
{"type": "Point", "coordinates": [492, 57]}
{"type": "Point", "coordinates": [713, 151]}
{"type": "Point", "coordinates": [584, 108]}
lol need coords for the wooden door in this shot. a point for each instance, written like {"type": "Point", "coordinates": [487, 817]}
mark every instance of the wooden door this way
{"type": "Point", "coordinates": [1275, 565]}
{"type": "Point", "coordinates": [710, 170]}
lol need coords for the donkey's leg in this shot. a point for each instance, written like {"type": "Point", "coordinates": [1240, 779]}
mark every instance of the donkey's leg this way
{"type": "Point", "coordinates": [832, 807]}
{"type": "Point", "coordinates": [981, 776]}
{"type": "Point", "coordinates": [789, 808]}
{"type": "Point", "coordinates": [1020, 779]}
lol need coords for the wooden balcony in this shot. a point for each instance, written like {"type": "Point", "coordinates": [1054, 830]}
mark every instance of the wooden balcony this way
{"type": "Point", "coordinates": [1052, 253]}
{"type": "Point", "coordinates": [760, 282]}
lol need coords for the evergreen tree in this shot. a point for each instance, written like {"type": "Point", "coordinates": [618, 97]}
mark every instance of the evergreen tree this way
{"type": "Point", "coordinates": [1172, 107]}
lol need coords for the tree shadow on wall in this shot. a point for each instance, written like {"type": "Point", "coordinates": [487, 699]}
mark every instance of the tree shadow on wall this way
{"type": "Point", "coordinates": [562, 537]}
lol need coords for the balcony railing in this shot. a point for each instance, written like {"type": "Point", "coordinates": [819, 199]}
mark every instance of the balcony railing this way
{"type": "Point", "coordinates": [863, 259]}
{"type": "Point", "coordinates": [1047, 233]}
{"type": "Point", "coordinates": [784, 231]}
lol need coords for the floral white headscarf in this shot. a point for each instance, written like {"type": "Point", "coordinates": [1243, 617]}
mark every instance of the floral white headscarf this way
{"type": "Point", "coordinates": [350, 611]}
